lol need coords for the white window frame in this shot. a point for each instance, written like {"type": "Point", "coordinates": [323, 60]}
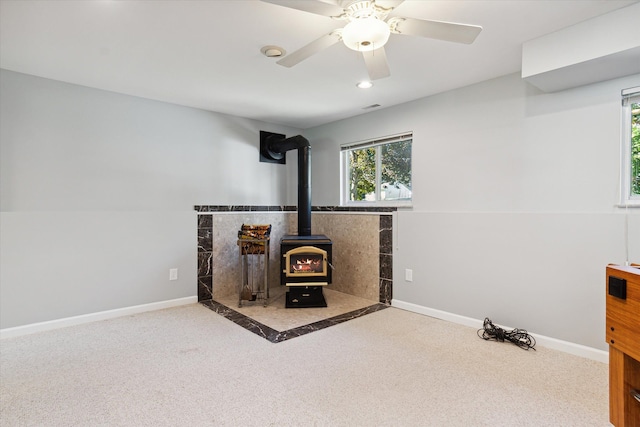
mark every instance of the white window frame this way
{"type": "Point", "coordinates": [629, 96]}
{"type": "Point", "coordinates": [344, 172]}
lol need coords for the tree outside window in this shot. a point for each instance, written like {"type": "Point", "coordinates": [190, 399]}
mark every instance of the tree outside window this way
{"type": "Point", "coordinates": [630, 161]}
{"type": "Point", "coordinates": [635, 149]}
{"type": "Point", "coordinates": [362, 176]}
{"type": "Point", "coordinates": [396, 171]}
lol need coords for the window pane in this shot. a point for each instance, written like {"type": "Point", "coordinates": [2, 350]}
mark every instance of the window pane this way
{"type": "Point", "coordinates": [362, 174]}
{"type": "Point", "coordinates": [396, 171]}
{"type": "Point", "coordinates": [635, 150]}
{"type": "Point", "coordinates": [377, 171]}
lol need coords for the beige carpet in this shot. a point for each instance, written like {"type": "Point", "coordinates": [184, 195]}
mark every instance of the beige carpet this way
{"type": "Point", "coordinates": [188, 366]}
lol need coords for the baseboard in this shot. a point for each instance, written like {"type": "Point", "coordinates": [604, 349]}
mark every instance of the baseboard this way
{"type": "Point", "coordinates": [553, 343]}
{"type": "Point", "coordinates": [93, 317]}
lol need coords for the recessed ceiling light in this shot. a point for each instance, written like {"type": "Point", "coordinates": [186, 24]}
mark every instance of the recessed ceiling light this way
{"type": "Point", "coordinates": [364, 85]}
{"type": "Point", "coordinates": [273, 51]}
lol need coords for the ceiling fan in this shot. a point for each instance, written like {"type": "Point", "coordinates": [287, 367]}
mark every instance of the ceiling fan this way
{"type": "Point", "coordinates": [368, 30]}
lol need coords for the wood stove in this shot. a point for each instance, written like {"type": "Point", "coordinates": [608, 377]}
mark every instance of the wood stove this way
{"type": "Point", "coordinates": [306, 268]}
{"type": "Point", "coordinates": [306, 258]}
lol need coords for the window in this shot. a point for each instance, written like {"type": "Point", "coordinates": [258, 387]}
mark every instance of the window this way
{"type": "Point", "coordinates": [630, 167]}
{"type": "Point", "coordinates": [377, 172]}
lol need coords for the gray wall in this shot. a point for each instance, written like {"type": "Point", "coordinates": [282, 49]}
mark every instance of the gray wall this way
{"type": "Point", "coordinates": [97, 192]}
{"type": "Point", "coordinates": [514, 212]}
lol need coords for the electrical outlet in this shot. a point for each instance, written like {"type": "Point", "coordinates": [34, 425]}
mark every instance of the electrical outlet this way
{"type": "Point", "coordinates": [408, 275]}
{"type": "Point", "coordinates": [173, 274]}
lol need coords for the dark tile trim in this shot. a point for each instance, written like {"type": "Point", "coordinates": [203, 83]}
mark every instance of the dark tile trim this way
{"type": "Point", "coordinates": [352, 209]}
{"type": "Point", "coordinates": [242, 208]}
{"type": "Point", "coordinates": [386, 259]}
{"type": "Point", "coordinates": [205, 257]}
{"type": "Point", "coordinates": [251, 208]}
{"type": "Point", "coordinates": [275, 336]}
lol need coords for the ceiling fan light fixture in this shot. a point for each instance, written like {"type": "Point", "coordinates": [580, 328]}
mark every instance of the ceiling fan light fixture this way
{"type": "Point", "coordinates": [365, 34]}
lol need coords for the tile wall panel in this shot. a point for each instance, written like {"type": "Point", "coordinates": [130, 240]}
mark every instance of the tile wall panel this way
{"type": "Point", "coordinates": [362, 247]}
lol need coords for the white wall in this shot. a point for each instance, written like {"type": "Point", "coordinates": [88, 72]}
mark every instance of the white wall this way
{"type": "Point", "coordinates": [514, 212]}
{"type": "Point", "coordinates": [602, 48]}
{"type": "Point", "coordinates": [97, 192]}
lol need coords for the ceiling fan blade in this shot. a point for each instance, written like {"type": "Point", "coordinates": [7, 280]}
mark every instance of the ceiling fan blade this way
{"type": "Point", "coordinates": [376, 62]}
{"type": "Point", "coordinates": [311, 6]}
{"type": "Point", "coordinates": [312, 48]}
{"type": "Point", "coordinates": [449, 31]}
{"type": "Point", "coordinates": [389, 4]}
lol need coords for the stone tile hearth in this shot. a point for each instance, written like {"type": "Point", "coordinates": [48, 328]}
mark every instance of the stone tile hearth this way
{"type": "Point", "coordinates": [362, 276]}
{"type": "Point", "coordinates": [276, 323]}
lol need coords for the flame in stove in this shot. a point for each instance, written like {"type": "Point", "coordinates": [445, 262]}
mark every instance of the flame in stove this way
{"type": "Point", "coordinates": [306, 265]}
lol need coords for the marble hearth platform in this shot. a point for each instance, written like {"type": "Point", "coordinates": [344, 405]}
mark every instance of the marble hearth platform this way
{"type": "Point", "coordinates": [277, 323]}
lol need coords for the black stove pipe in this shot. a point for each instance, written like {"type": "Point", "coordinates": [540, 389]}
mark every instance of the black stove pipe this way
{"type": "Point", "coordinates": [276, 148]}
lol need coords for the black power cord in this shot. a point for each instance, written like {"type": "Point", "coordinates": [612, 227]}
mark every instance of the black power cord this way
{"type": "Point", "coordinates": [519, 337]}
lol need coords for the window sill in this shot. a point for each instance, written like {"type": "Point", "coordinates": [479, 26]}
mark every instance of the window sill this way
{"type": "Point", "coordinates": [632, 204]}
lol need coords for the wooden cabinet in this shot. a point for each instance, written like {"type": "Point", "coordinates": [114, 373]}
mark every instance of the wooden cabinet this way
{"type": "Point", "coordinates": [623, 336]}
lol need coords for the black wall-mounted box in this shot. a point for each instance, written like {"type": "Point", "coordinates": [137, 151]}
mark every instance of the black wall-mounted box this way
{"type": "Point", "coordinates": [266, 155]}
{"type": "Point", "coordinates": [617, 287]}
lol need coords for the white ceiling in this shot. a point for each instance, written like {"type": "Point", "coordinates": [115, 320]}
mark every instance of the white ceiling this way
{"type": "Point", "coordinates": [206, 53]}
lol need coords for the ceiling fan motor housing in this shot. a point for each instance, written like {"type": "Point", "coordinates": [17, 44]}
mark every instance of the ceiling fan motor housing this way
{"type": "Point", "coordinates": [358, 8]}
